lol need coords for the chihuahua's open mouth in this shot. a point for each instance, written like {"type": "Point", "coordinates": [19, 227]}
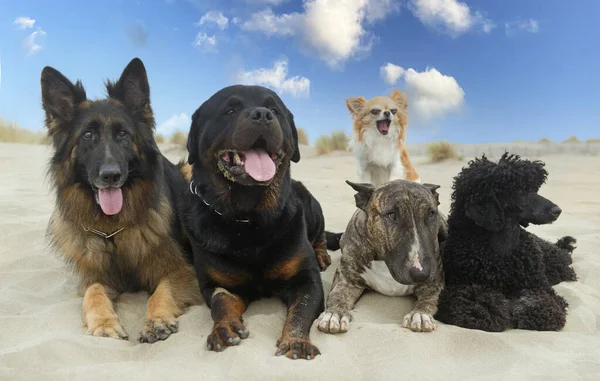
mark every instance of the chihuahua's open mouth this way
{"type": "Point", "coordinates": [383, 126]}
{"type": "Point", "coordinates": [257, 163]}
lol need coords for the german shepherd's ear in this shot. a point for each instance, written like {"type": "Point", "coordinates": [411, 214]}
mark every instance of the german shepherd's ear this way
{"type": "Point", "coordinates": [365, 191]}
{"type": "Point", "coordinates": [400, 99]}
{"type": "Point", "coordinates": [192, 143]}
{"type": "Point", "coordinates": [296, 155]}
{"type": "Point", "coordinates": [433, 189]}
{"type": "Point", "coordinates": [132, 88]}
{"type": "Point", "coordinates": [59, 96]}
{"type": "Point", "coordinates": [355, 105]}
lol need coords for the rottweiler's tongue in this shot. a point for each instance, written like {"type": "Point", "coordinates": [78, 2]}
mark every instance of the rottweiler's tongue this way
{"type": "Point", "coordinates": [111, 200]}
{"type": "Point", "coordinates": [259, 165]}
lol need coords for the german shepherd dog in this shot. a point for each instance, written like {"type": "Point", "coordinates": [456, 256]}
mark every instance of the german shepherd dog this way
{"type": "Point", "coordinates": [117, 203]}
{"type": "Point", "coordinates": [247, 221]}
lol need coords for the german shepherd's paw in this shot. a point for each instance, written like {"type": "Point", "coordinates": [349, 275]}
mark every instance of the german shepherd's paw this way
{"type": "Point", "coordinates": [226, 334]}
{"type": "Point", "coordinates": [330, 322]}
{"type": "Point", "coordinates": [296, 348]}
{"type": "Point", "coordinates": [106, 327]}
{"type": "Point", "coordinates": [158, 329]}
{"type": "Point", "coordinates": [419, 322]}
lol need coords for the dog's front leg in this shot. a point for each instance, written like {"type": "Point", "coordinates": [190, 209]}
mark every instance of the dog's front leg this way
{"type": "Point", "coordinates": [420, 319]}
{"type": "Point", "coordinates": [98, 314]}
{"type": "Point", "coordinates": [173, 294]}
{"type": "Point", "coordinates": [344, 294]}
{"type": "Point", "coordinates": [226, 310]}
{"type": "Point", "coordinates": [305, 302]}
{"type": "Point", "coordinates": [364, 174]}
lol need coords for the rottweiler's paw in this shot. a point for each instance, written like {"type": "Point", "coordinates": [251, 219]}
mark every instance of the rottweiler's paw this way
{"type": "Point", "coordinates": [158, 329]}
{"type": "Point", "coordinates": [107, 327]}
{"type": "Point", "coordinates": [419, 322]}
{"type": "Point", "coordinates": [226, 334]}
{"type": "Point", "coordinates": [295, 348]}
{"type": "Point", "coordinates": [330, 322]}
{"type": "Point", "coordinates": [567, 243]}
{"type": "Point", "coordinates": [324, 259]}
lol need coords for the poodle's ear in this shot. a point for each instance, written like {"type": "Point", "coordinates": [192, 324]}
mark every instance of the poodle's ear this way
{"type": "Point", "coordinates": [433, 189]}
{"type": "Point", "coordinates": [356, 105]}
{"type": "Point", "coordinates": [486, 213]}
{"type": "Point", "coordinates": [400, 99]}
{"type": "Point", "coordinates": [365, 191]}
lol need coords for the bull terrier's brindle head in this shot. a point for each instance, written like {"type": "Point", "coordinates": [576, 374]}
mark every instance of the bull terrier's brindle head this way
{"type": "Point", "coordinates": [403, 227]}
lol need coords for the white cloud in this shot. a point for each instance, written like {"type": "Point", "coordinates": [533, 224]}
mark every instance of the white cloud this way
{"type": "Point", "coordinates": [269, 2]}
{"type": "Point", "coordinates": [449, 16]}
{"type": "Point", "coordinates": [334, 30]}
{"type": "Point", "coordinates": [530, 25]}
{"type": "Point", "coordinates": [175, 122]}
{"type": "Point", "coordinates": [24, 22]}
{"type": "Point", "coordinates": [432, 94]}
{"type": "Point", "coordinates": [391, 73]}
{"type": "Point", "coordinates": [214, 17]}
{"type": "Point", "coordinates": [206, 43]}
{"type": "Point", "coordinates": [32, 43]}
{"type": "Point", "coordinates": [276, 78]}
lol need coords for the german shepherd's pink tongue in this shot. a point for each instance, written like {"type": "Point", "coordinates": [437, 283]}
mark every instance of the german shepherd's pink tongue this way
{"type": "Point", "coordinates": [259, 165]}
{"type": "Point", "coordinates": [111, 200]}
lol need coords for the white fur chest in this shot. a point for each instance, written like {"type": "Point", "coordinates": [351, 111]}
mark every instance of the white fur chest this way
{"type": "Point", "coordinates": [379, 279]}
{"type": "Point", "coordinates": [377, 149]}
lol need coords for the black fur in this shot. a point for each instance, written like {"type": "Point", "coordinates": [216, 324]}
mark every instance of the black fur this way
{"type": "Point", "coordinates": [498, 275]}
{"type": "Point", "coordinates": [247, 252]}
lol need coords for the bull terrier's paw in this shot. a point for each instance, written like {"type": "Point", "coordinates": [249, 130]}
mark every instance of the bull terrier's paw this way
{"type": "Point", "coordinates": [330, 322]}
{"type": "Point", "coordinates": [296, 348]}
{"type": "Point", "coordinates": [419, 322]}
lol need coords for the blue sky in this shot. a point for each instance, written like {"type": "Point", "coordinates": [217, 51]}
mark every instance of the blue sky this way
{"type": "Point", "coordinates": [475, 70]}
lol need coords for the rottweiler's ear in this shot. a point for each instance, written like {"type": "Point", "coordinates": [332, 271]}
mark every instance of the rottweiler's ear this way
{"type": "Point", "coordinates": [192, 143]}
{"type": "Point", "coordinates": [59, 96]}
{"type": "Point", "coordinates": [486, 213]}
{"type": "Point", "coordinates": [365, 191]}
{"type": "Point", "coordinates": [296, 155]}
{"type": "Point", "coordinates": [132, 88]}
{"type": "Point", "coordinates": [400, 99]}
{"type": "Point", "coordinates": [356, 105]}
{"type": "Point", "coordinates": [433, 189]}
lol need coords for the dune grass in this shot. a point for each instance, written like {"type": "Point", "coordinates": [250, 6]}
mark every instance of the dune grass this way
{"type": "Point", "coordinates": [572, 139]}
{"type": "Point", "coordinates": [160, 138]}
{"type": "Point", "coordinates": [178, 138]}
{"type": "Point", "coordinates": [11, 132]}
{"type": "Point", "coordinates": [440, 151]}
{"type": "Point", "coordinates": [336, 141]}
{"type": "Point", "coordinates": [302, 136]}
{"type": "Point", "coordinates": [593, 140]}
{"type": "Point", "coordinates": [545, 140]}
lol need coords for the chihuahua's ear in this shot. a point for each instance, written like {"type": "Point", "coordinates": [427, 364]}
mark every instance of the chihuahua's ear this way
{"type": "Point", "coordinates": [400, 99]}
{"type": "Point", "coordinates": [356, 105]}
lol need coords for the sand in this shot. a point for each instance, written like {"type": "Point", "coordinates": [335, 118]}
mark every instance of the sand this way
{"type": "Point", "coordinates": [41, 337]}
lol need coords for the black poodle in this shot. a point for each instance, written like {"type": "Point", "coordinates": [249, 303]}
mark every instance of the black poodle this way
{"type": "Point", "coordinates": [498, 275]}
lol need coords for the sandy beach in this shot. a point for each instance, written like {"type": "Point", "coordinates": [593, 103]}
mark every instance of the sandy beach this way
{"type": "Point", "coordinates": [42, 338]}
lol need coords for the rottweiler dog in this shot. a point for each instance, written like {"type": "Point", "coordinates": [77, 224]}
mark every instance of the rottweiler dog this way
{"type": "Point", "coordinates": [246, 222]}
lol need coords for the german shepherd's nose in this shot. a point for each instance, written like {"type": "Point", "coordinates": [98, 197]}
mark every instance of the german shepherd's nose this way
{"type": "Point", "coordinates": [110, 174]}
{"type": "Point", "coordinates": [261, 115]}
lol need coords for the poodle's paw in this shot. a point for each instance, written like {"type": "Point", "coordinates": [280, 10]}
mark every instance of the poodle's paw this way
{"type": "Point", "coordinates": [567, 243]}
{"type": "Point", "coordinates": [330, 322]}
{"type": "Point", "coordinates": [419, 322]}
{"type": "Point", "coordinates": [158, 329]}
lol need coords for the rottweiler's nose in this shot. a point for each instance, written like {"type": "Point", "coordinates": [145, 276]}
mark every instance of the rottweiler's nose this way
{"type": "Point", "coordinates": [110, 174]}
{"type": "Point", "coordinates": [386, 114]}
{"type": "Point", "coordinates": [556, 211]}
{"type": "Point", "coordinates": [261, 114]}
{"type": "Point", "coordinates": [418, 275]}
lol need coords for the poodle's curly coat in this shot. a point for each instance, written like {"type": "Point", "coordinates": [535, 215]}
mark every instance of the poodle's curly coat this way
{"type": "Point", "coordinates": [498, 275]}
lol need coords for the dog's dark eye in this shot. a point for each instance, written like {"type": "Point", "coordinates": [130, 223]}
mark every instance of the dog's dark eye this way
{"type": "Point", "coordinates": [87, 135]}
{"type": "Point", "coordinates": [122, 134]}
{"type": "Point", "coordinates": [392, 216]}
{"type": "Point", "coordinates": [431, 213]}
{"type": "Point", "coordinates": [394, 111]}
{"type": "Point", "coordinates": [375, 111]}
{"type": "Point", "coordinates": [229, 111]}
{"type": "Point", "coordinates": [275, 111]}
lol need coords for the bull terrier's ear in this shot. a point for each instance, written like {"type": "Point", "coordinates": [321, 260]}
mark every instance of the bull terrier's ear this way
{"type": "Point", "coordinates": [433, 189]}
{"type": "Point", "coordinates": [365, 191]}
{"type": "Point", "coordinates": [356, 105]}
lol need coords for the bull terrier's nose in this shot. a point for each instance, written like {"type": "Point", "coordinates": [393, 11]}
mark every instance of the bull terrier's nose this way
{"type": "Point", "coordinates": [418, 275]}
